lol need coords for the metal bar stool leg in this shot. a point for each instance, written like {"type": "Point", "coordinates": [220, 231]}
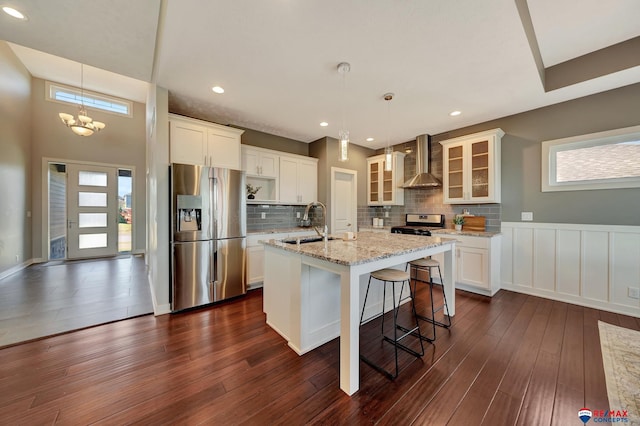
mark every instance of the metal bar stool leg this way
{"type": "Point", "coordinates": [394, 277]}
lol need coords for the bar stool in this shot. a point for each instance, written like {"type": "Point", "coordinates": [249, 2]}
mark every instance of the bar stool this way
{"type": "Point", "coordinates": [393, 276]}
{"type": "Point", "coordinates": [427, 264]}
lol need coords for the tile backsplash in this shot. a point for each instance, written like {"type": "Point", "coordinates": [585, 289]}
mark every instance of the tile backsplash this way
{"type": "Point", "coordinates": [278, 216]}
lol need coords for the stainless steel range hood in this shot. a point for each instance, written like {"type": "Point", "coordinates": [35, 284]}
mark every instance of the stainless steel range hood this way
{"type": "Point", "coordinates": [423, 179]}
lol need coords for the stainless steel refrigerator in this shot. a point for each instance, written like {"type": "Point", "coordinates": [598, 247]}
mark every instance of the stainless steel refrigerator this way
{"type": "Point", "coordinates": [208, 235]}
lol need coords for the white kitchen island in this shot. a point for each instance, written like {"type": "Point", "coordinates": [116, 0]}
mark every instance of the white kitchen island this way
{"type": "Point", "coordinates": [312, 292]}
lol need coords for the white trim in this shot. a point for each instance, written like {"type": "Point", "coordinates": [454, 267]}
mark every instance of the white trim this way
{"type": "Point", "coordinates": [17, 268]}
{"type": "Point", "coordinates": [551, 147]}
{"type": "Point", "coordinates": [157, 309]}
{"type": "Point", "coordinates": [593, 265]}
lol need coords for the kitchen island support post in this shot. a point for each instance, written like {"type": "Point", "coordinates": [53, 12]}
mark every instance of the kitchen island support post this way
{"type": "Point", "coordinates": [349, 332]}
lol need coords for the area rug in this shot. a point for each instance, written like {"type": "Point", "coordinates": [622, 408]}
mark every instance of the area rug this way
{"type": "Point", "coordinates": [621, 358]}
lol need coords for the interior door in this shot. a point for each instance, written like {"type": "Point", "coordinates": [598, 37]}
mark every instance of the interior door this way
{"type": "Point", "coordinates": [92, 207]}
{"type": "Point", "coordinates": [344, 208]}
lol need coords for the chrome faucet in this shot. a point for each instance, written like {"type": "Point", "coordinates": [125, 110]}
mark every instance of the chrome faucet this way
{"type": "Point", "coordinates": [324, 218]}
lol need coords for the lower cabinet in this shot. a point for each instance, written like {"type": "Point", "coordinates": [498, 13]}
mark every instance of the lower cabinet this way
{"type": "Point", "coordinates": [477, 263]}
{"type": "Point", "coordinates": [255, 255]}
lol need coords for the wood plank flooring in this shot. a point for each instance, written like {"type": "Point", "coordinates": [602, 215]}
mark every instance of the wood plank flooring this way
{"type": "Point", "coordinates": [510, 359]}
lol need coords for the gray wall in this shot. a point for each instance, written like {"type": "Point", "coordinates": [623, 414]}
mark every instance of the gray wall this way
{"type": "Point", "coordinates": [326, 150]}
{"type": "Point", "coordinates": [521, 159]}
{"type": "Point", "coordinates": [15, 155]}
{"type": "Point", "coordinates": [121, 143]}
{"type": "Point", "coordinates": [278, 143]}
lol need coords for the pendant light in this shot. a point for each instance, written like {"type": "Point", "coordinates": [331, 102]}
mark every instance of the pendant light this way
{"type": "Point", "coordinates": [343, 134]}
{"type": "Point", "coordinates": [388, 151]}
{"type": "Point", "coordinates": [83, 125]}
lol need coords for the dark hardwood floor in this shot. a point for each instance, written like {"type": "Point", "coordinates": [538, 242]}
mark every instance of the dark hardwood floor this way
{"type": "Point", "coordinates": [510, 359]}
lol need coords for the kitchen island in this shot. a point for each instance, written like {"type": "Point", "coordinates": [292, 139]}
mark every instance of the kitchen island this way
{"type": "Point", "coordinates": [312, 292]}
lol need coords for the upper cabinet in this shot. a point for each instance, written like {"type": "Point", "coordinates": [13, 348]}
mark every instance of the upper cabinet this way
{"type": "Point", "coordinates": [384, 188]}
{"type": "Point", "coordinates": [471, 168]}
{"type": "Point", "coordinates": [298, 180]}
{"type": "Point", "coordinates": [282, 178]}
{"type": "Point", "coordinates": [200, 142]}
{"type": "Point", "coordinates": [258, 162]}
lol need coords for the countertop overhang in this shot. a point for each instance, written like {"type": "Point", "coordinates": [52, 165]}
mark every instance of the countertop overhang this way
{"type": "Point", "coordinates": [367, 247]}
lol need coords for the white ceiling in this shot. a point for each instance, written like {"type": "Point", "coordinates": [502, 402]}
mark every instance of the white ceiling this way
{"type": "Point", "coordinates": [277, 59]}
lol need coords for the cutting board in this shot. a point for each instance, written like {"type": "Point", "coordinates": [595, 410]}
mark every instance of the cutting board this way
{"type": "Point", "coordinates": [474, 223]}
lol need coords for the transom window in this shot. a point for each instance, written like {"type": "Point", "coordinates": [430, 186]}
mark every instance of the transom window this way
{"type": "Point", "coordinates": [72, 95]}
{"type": "Point", "coordinates": [596, 161]}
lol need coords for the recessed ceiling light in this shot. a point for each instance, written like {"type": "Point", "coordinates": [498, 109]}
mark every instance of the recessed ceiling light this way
{"type": "Point", "coordinates": [454, 113]}
{"type": "Point", "coordinates": [324, 124]}
{"type": "Point", "coordinates": [370, 139]}
{"type": "Point", "coordinates": [13, 12]}
{"type": "Point", "coordinates": [217, 89]}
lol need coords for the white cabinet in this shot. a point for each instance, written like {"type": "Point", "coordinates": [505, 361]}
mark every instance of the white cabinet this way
{"type": "Point", "coordinates": [477, 263]}
{"type": "Point", "coordinates": [471, 168]}
{"type": "Point", "coordinates": [258, 162]}
{"type": "Point", "coordinates": [283, 178]}
{"type": "Point", "coordinates": [199, 142]}
{"type": "Point", "coordinates": [384, 188]}
{"type": "Point", "coordinates": [255, 255]}
{"type": "Point", "coordinates": [298, 180]}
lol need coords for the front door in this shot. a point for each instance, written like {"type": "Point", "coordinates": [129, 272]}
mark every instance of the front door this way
{"type": "Point", "coordinates": [92, 207]}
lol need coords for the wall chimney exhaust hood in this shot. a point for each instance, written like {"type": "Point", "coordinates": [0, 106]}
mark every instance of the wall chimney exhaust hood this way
{"type": "Point", "coordinates": [423, 179]}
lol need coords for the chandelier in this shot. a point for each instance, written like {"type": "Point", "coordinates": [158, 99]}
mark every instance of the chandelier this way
{"type": "Point", "coordinates": [82, 125]}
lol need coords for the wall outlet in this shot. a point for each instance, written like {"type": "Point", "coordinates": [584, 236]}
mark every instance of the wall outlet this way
{"type": "Point", "coordinates": [386, 214]}
{"type": "Point", "coordinates": [17, 258]}
{"type": "Point", "coordinates": [263, 215]}
{"type": "Point", "coordinates": [526, 216]}
{"type": "Point", "coordinates": [297, 215]}
{"type": "Point", "coordinates": [634, 292]}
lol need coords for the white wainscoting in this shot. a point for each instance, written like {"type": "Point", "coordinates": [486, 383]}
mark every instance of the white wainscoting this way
{"type": "Point", "coordinates": [588, 265]}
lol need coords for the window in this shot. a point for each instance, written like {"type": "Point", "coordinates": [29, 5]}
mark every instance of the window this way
{"type": "Point", "coordinates": [597, 161]}
{"type": "Point", "coordinates": [71, 95]}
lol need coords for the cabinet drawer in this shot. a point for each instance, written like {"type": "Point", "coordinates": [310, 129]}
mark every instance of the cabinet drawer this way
{"type": "Point", "coordinates": [475, 242]}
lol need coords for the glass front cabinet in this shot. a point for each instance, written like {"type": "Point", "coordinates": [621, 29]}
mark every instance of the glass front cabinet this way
{"type": "Point", "coordinates": [471, 168]}
{"type": "Point", "coordinates": [385, 187]}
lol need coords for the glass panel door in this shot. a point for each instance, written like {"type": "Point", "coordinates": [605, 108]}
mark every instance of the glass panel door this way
{"type": "Point", "coordinates": [480, 169]}
{"type": "Point", "coordinates": [92, 206]}
{"type": "Point", "coordinates": [455, 172]}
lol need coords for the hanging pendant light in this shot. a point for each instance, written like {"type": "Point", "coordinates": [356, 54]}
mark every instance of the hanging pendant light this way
{"type": "Point", "coordinates": [343, 134]}
{"type": "Point", "coordinates": [83, 125]}
{"type": "Point", "coordinates": [388, 151]}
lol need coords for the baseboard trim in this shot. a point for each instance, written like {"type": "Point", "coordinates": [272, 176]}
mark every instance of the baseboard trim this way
{"type": "Point", "coordinates": [157, 309]}
{"type": "Point", "coordinates": [574, 300]}
{"type": "Point", "coordinates": [19, 267]}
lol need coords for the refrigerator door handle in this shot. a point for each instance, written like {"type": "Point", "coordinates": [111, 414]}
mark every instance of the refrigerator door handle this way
{"type": "Point", "coordinates": [213, 268]}
{"type": "Point", "coordinates": [214, 208]}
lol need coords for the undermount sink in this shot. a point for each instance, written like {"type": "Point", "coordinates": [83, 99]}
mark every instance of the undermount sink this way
{"type": "Point", "coordinates": [304, 240]}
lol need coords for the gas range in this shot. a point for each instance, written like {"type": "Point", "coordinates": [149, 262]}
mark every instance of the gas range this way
{"type": "Point", "coordinates": [420, 224]}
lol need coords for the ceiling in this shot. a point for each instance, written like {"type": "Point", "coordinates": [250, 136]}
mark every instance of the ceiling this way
{"type": "Point", "coordinates": [277, 59]}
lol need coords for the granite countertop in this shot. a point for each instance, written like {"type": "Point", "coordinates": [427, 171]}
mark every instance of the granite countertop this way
{"type": "Point", "coordinates": [368, 247]}
{"type": "Point", "coordinates": [281, 230]}
{"type": "Point", "coordinates": [451, 231]}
